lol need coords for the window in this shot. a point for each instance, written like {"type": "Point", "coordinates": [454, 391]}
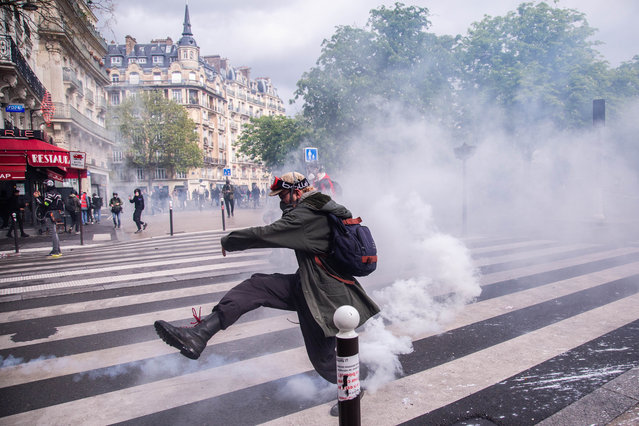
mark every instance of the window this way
{"type": "Point", "coordinates": [116, 60]}
{"type": "Point", "coordinates": [115, 98]}
{"type": "Point", "coordinates": [157, 76]}
{"type": "Point", "coordinates": [141, 60]}
{"type": "Point", "coordinates": [117, 156]}
{"type": "Point", "coordinates": [192, 76]}
{"type": "Point", "coordinates": [132, 61]}
{"type": "Point", "coordinates": [139, 174]}
{"type": "Point", "coordinates": [115, 78]}
{"type": "Point", "coordinates": [160, 173]}
{"type": "Point", "coordinates": [180, 175]}
{"type": "Point", "coordinates": [193, 97]}
{"type": "Point", "coordinates": [159, 60]}
{"type": "Point", "coordinates": [134, 78]}
{"type": "Point", "coordinates": [176, 77]}
{"type": "Point", "coordinates": [177, 96]}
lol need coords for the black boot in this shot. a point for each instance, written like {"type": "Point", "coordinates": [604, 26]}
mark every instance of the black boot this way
{"type": "Point", "coordinates": [190, 341]}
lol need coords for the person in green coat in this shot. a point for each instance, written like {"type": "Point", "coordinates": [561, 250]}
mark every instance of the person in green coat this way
{"type": "Point", "coordinates": [313, 291]}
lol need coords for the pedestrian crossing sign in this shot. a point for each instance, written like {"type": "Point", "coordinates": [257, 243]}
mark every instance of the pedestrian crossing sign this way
{"type": "Point", "coordinates": [310, 154]}
{"type": "Point", "coordinates": [227, 172]}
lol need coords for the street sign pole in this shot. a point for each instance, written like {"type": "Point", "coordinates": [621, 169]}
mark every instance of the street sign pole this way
{"type": "Point", "coordinates": [78, 163]}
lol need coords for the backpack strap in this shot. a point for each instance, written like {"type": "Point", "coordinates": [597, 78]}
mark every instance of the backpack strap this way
{"type": "Point", "coordinates": [318, 261]}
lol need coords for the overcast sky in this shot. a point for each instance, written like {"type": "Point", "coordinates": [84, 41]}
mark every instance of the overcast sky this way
{"type": "Point", "coordinates": [281, 39]}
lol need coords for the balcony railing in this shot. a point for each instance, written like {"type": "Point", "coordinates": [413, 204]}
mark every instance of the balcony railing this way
{"type": "Point", "coordinates": [69, 76]}
{"type": "Point", "coordinates": [88, 95]}
{"type": "Point", "coordinates": [67, 112]}
{"type": "Point", "coordinates": [9, 52]}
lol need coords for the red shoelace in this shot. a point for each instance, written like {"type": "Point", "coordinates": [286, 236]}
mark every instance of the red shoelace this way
{"type": "Point", "coordinates": [198, 318]}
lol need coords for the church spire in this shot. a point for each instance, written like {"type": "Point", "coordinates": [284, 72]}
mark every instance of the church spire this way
{"type": "Point", "coordinates": [187, 36]}
{"type": "Point", "coordinates": [187, 22]}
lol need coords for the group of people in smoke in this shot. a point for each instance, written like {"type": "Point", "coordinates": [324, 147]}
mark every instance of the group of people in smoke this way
{"type": "Point", "coordinates": [51, 209]}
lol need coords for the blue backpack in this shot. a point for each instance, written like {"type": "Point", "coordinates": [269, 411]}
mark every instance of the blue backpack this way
{"type": "Point", "coordinates": [353, 252]}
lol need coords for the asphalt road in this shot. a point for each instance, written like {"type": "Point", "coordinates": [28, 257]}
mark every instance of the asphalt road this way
{"type": "Point", "coordinates": [553, 337]}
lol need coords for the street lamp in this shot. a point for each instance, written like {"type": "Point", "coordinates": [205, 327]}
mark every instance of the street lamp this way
{"type": "Point", "coordinates": [463, 153]}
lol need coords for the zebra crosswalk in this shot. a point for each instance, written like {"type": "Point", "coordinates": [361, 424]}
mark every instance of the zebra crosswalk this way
{"type": "Point", "coordinates": [554, 322]}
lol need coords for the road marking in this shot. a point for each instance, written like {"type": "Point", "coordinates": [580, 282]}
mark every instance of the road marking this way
{"type": "Point", "coordinates": [128, 277]}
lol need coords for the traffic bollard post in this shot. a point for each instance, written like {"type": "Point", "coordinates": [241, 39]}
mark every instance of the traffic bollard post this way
{"type": "Point", "coordinates": [14, 218]}
{"type": "Point", "coordinates": [346, 318]}
{"type": "Point", "coordinates": [171, 216]}
{"type": "Point", "coordinates": [223, 220]}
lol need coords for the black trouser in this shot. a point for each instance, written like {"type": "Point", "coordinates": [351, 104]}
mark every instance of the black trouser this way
{"type": "Point", "coordinates": [230, 206]}
{"type": "Point", "coordinates": [137, 218]}
{"type": "Point", "coordinates": [75, 220]}
{"type": "Point", "coordinates": [284, 292]}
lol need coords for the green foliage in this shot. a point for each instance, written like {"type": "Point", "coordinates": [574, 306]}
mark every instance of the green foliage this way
{"type": "Point", "coordinates": [360, 71]}
{"type": "Point", "coordinates": [537, 63]}
{"type": "Point", "coordinates": [271, 139]}
{"type": "Point", "coordinates": [158, 133]}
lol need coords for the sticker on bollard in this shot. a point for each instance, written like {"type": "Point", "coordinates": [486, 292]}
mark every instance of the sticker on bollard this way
{"type": "Point", "coordinates": [347, 377]}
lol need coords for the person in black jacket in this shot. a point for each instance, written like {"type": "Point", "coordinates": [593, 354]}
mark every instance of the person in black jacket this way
{"type": "Point", "coordinates": [96, 205]}
{"type": "Point", "coordinates": [16, 205]}
{"type": "Point", "coordinates": [138, 200]}
{"type": "Point", "coordinates": [228, 192]}
{"type": "Point", "coordinates": [53, 206]}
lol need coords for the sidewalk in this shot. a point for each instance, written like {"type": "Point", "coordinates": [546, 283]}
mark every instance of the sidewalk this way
{"type": "Point", "coordinates": [184, 221]}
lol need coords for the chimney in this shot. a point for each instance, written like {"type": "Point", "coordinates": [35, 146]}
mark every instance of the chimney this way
{"type": "Point", "coordinates": [130, 44]}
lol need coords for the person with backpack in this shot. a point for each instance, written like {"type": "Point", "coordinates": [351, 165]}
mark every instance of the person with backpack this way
{"type": "Point", "coordinates": [96, 204]}
{"type": "Point", "coordinates": [53, 205]}
{"type": "Point", "coordinates": [314, 291]}
{"type": "Point", "coordinates": [73, 207]}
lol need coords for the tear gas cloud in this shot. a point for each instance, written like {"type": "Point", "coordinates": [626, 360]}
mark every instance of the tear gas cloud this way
{"type": "Point", "coordinates": [406, 183]}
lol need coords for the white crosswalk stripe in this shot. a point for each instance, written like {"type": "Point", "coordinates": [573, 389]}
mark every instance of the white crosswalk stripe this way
{"type": "Point", "coordinates": [78, 347]}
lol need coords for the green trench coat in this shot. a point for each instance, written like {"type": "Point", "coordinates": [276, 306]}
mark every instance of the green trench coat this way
{"type": "Point", "coordinates": [306, 230]}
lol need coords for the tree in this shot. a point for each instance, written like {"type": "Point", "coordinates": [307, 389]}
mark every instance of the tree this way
{"type": "Point", "coordinates": [158, 133]}
{"type": "Point", "coordinates": [271, 139]}
{"type": "Point", "coordinates": [360, 72]}
{"type": "Point", "coordinates": [32, 14]}
{"type": "Point", "coordinates": [537, 63]}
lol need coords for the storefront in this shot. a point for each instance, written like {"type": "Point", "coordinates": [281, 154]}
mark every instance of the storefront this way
{"type": "Point", "coordinates": [26, 161]}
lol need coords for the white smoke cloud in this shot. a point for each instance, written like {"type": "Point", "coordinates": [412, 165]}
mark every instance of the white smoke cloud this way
{"type": "Point", "coordinates": [305, 388]}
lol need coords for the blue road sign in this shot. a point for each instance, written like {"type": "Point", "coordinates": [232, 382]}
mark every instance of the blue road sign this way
{"type": "Point", "coordinates": [227, 172]}
{"type": "Point", "coordinates": [310, 154]}
{"type": "Point", "coordinates": [14, 108]}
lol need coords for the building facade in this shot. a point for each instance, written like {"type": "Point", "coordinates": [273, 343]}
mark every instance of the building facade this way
{"type": "Point", "coordinates": [219, 98]}
{"type": "Point", "coordinates": [70, 62]}
{"type": "Point", "coordinates": [52, 97]}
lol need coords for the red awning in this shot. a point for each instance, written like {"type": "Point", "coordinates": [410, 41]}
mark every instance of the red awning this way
{"type": "Point", "coordinates": [37, 152]}
{"type": "Point", "coordinates": [12, 172]}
